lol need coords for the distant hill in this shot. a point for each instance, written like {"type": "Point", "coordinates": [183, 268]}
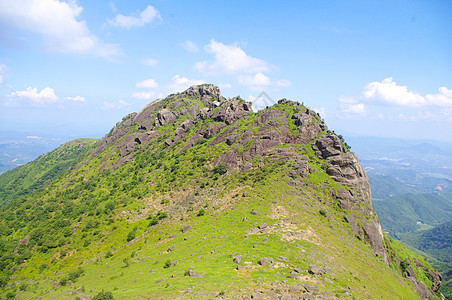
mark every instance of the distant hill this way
{"type": "Point", "coordinates": [411, 212]}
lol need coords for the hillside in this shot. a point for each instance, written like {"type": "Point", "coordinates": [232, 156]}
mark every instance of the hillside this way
{"type": "Point", "coordinates": [411, 212]}
{"type": "Point", "coordinates": [31, 177]}
{"type": "Point", "coordinates": [197, 196]}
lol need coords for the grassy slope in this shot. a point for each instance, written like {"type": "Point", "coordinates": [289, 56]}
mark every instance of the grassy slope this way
{"type": "Point", "coordinates": [87, 216]}
{"type": "Point", "coordinates": [28, 178]}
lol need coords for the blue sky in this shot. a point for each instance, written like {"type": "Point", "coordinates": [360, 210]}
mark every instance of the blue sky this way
{"type": "Point", "coordinates": [379, 68]}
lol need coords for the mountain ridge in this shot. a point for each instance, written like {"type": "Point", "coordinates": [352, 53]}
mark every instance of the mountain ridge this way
{"type": "Point", "coordinates": [198, 173]}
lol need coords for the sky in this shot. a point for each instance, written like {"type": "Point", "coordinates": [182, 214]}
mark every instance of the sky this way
{"type": "Point", "coordinates": [370, 68]}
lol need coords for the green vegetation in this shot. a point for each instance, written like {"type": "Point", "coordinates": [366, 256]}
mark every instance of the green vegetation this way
{"type": "Point", "coordinates": [136, 222]}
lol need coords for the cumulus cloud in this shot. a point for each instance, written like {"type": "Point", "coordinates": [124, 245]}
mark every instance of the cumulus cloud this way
{"type": "Point", "coordinates": [389, 92]}
{"type": "Point", "coordinates": [321, 111]}
{"type": "Point", "coordinates": [145, 95]}
{"type": "Point", "coordinates": [147, 84]}
{"type": "Point", "coordinates": [139, 19]}
{"type": "Point", "coordinates": [114, 104]}
{"type": "Point", "coordinates": [180, 83]}
{"type": "Point", "coordinates": [230, 59]}
{"type": "Point", "coordinates": [177, 84]}
{"type": "Point", "coordinates": [352, 107]}
{"type": "Point", "coordinates": [57, 22]}
{"type": "Point", "coordinates": [190, 46]}
{"type": "Point", "coordinates": [283, 82]}
{"type": "Point", "coordinates": [443, 98]}
{"type": "Point", "coordinates": [76, 99]}
{"type": "Point", "coordinates": [45, 96]}
{"type": "Point", "coordinates": [255, 82]}
{"type": "Point", "coordinates": [261, 101]}
{"type": "Point", "coordinates": [149, 62]}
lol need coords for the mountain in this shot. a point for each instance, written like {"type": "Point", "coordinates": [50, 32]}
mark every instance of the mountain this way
{"type": "Point", "coordinates": [411, 212]}
{"type": "Point", "coordinates": [197, 196]}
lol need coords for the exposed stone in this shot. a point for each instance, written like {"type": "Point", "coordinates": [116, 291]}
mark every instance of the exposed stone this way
{"type": "Point", "coordinates": [314, 270]}
{"type": "Point", "coordinates": [311, 288]}
{"type": "Point", "coordinates": [422, 290]}
{"type": "Point", "coordinates": [237, 259]}
{"type": "Point", "coordinates": [263, 225]}
{"type": "Point", "coordinates": [265, 261]}
{"type": "Point", "coordinates": [186, 228]}
{"type": "Point", "coordinates": [165, 116]}
{"type": "Point", "coordinates": [254, 212]}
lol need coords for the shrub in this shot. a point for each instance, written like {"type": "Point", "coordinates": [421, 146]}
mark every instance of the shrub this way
{"type": "Point", "coordinates": [167, 264]}
{"type": "Point", "coordinates": [201, 212]}
{"type": "Point", "coordinates": [104, 296]}
{"type": "Point", "coordinates": [131, 234]}
{"type": "Point", "coordinates": [108, 254]}
{"type": "Point", "coordinates": [322, 212]}
{"type": "Point", "coordinates": [220, 169]}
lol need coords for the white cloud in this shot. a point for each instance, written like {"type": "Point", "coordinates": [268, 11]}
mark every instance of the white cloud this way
{"type": "Point", "coordinates": [321, 111]}
{"type": "Point", "coordinates": [190, 46]}
{"type": "Point", "coordinates": [261, 101]}
{"type": "Point", "coordinates": [258, 80]}
{"type": "Point", "coordinates": [443, 98]}
{"type": "Point", "coordinates": [57, 23]}
{"type": "Point", "coordinates": [76, 99]}
{"type": "Point", "coordinates": [149, 62]}
{"type": "Point", "coordinates": [388, 92]}
{"type": "Point", "coordinates": [352, 107]}
{"type": "Point", "coordinates": [147, 84]}
{"type": "Point", "coordinates": [145, 95]}
{"type": "Point", "coordinates": [3, 69]}
{"type": "Point", "coordinates": [33, 137]}
{"type": "Point", "coordinates": [225, 85]}
{"type": "Point", "coordinates": [180, 83]}
{"type": "Point", "coordinates": [230, 59]}
{"type": "Point", "coordinates": [112, 6]}
{"type": "Point", "coordinates": [45, 96]}
{"type": "Point", "coordinates": [137, 20]}
{"type": "Point", "coordinates": [283, 83]}
{"type": "Point", "coordinates": [114, 105]}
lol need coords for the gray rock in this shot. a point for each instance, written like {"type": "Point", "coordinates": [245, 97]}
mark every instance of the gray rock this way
{"type": "Point", "coordinates": [314, 270]}
{"type": "Point", "coordinates": [170, 248]}
{"type": "Point", "coordinates": [311, 288]}
{"type": "Point", "coordinates": [237, 259]}
{"type": "Point", "coordinates": [265, 261]}
{"type": "Point", "coordinates": [186, 228]}
{"type": "Point", "coordinates": [263, 225]}
{"type": "Point", "coordinates": [254, 212]}
{"type": "Point", "coordinates": [165, 116]}
{"type": "Point", "coordinates": [422, 290]}
{"type": "Point", "coordinates": [265, 240]}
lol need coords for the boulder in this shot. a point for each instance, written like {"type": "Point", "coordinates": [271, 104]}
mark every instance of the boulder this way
{"type": "Point", "coordinates": [165, 116]}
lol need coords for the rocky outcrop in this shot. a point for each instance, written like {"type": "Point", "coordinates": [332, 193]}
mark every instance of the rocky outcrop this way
{"type": "Point", "coordinates": [164, 116]}
{"type": "Point", "coordinates": [232, 110]}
